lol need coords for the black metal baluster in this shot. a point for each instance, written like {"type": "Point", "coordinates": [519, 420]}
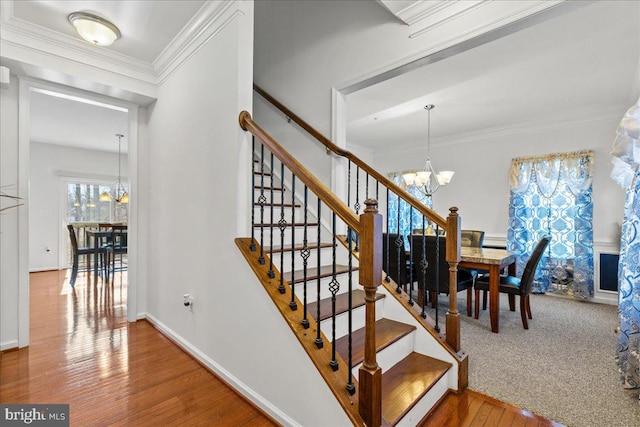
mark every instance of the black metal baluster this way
{"type": "Point", "coordinates": [334, 287]}
{"type": "Point", "coordinates": [252, 246]}
{"type": "Point", "coordinates": [386, 256]}
{"type": "Point", "coordinates": [351, 388]}
{"type": "Point", "coordinates": [305, 253]}
{"type": "Point", "coordinates": [282, 224]}
{"type": "Point", "coordinates": [398, 243]}
{"type": "Point", "coordinates": [437, 328]}
{"type": "Point", "coordinates": [349, 184]}
{"type": "Point", "coordinates": [411, 302]}
{"type": "Point", "coordinates": [319, 343]}
{"type": "Point", "coordinates": [423, 268]}
{"type": "Point", "coordinates": [292, 304]}
{"type": "Point", "coordinates": [366, 186]}
{"type": "Point", "coordinates": [356, 206]}
{"type": "Point", "coordinates": [271, 273]}
{"type": "Point", "coordinates": [261, 201]}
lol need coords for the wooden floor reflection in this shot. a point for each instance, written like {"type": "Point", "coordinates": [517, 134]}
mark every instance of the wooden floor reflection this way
{"type": "Point", "coordinates": [83, 352]}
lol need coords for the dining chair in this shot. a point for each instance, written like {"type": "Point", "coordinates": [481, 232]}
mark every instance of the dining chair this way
{"type": "Point", "coordinates": [472, 238]}
{"type": "Point", "coordinates": [77, 252]}
{"type": "Point", "coordinates": [394, 258]}
{"type": "Point", "coordinates": [436, 276]}
{"type": "Point", "coordinates": [513, 286]}
{"type": "Point", "coordinates": [118, 246]}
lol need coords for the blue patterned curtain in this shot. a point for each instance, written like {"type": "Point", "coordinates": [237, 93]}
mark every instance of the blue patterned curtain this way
{"type": "Point", "coordinates": [626, 171]}
{"type": "Point", "coordinates": [551, 195]}
{"type": "Point", "coordinates": [399, 219]}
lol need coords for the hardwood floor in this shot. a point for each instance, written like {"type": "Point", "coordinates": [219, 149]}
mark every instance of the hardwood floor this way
{"type": "Point", "coordinates": [473, 409]}
{"type": "Point", "coordinates": [110, 372]}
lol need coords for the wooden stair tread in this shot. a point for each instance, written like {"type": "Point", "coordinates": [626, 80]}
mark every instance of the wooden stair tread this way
{"type": "Point", "coordinates": [342, 304]}
{"type": "Point", "coordinates": [387, 332]}
{"type": "Point", "coordinates": [312, 273]}
{"type": "Point", "coordinates": [297, 224]}
{"type": "Point", "coordinates": [407, 382]}
{"type": "Point", "coordinates": [298, 247]}
{"type": "Point", "coordinates": [259, 173]}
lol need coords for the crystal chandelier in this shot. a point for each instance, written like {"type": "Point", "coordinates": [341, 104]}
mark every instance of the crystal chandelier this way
{"type": "Point", "coordinates": [427, 180]}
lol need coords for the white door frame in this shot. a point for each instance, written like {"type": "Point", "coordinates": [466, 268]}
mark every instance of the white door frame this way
{"type": "Point", "coordinates": [26, 84]}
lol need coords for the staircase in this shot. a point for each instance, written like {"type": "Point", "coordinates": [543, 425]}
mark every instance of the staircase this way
{"type": "Point", "coordinates": [312, 273]}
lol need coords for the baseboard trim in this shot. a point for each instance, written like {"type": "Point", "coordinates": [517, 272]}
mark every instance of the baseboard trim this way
{"type": "Point", "coordinates": [218, 370]}
{"type": "Point", "coordinates": [9, 345]}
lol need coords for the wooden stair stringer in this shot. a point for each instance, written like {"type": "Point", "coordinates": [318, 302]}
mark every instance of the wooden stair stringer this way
{"type": "Point", "coordinates": [336, 380]}
{"type": "Point", "coordinates": [414, 310]}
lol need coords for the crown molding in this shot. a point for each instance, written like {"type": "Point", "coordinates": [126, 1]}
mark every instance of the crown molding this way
{"type": "Point", "coordinates": [480, 16]}
{"type": "Point", "coordinates": [209, 21]}
{"type": "Point", "coordinates": [36, 40]}
{"type": "Point", "coordinates": [25, 42]}
{"type": "Point", "coordinates": [571, 119]}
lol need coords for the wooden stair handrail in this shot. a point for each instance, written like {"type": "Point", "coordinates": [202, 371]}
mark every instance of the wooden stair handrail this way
{"type": "Point", "coordinates": [427, 212]}
{"type": "Point", "coordinates": [318, 188]}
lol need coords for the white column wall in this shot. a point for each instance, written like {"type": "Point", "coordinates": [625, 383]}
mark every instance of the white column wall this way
{"type": "Point", "coordinates": [197, 160]}
{"type": "Point", "coordinates": [9, 270]}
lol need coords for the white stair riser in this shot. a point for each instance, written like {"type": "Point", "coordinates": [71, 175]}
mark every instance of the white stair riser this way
{"type": "Point", "coordinates": [299, 214]}
{"type": "Point", "coordinates": [428, 401]}
{"type": "Point", "coordinates": [326, 258]}
{"type": "Point", "coordinates": [312, 233]}
{"type": "Point", "coordinates": [312, 286]}
{"type": "Point", "coordinates": [342, 321]}
{"type": "Point", "coordinates": [277, 197]}
{"type": "Point", "coordinates": [388, 357]}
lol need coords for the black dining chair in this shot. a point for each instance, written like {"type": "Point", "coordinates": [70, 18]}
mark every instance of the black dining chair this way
{"type": "Point", "coordinates": [86, 251]}
{"type": "Point", "coordinates": [436, 276]}
{"type": "Point", "coordinates": [118, 246]}
{"type": "Point", "coordinates": [394, 259]}
{"type": "Point", "coordinates": [515, 286]}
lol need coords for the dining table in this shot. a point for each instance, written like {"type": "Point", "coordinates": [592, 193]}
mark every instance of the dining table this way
{"type": "Point", "coordinates": [492, 260]}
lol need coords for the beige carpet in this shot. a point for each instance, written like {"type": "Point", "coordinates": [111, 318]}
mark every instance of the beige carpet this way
{"type": "Point", "coordinates": [562, 368]}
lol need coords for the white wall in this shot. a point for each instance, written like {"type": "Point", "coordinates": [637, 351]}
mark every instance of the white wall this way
{"type": "Point", "coordinates": [48, 165]}
{"type": "Point", "coordinates": [196, 155]}
{"type": "Point", "coordinates": [9, 218]}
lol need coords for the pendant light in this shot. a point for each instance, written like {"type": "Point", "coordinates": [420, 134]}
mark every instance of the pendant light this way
{"type": "Point", "coordinates": [427, 180]}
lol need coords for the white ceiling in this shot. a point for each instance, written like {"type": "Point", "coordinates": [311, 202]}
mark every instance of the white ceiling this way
{"type": "Point", "coordinates": [580, 63]}
{"type": "Point", "coordinates": [55, 120]}
{"type": "Point", "coordinates": [147, 26]}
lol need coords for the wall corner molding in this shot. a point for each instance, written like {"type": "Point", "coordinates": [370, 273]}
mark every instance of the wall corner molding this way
{"type": "Point", "coordinates": [212, 18]}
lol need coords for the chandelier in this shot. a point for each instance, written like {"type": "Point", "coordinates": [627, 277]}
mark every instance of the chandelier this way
{"type": "Point", "coordinates": [121, 195]}
{"type": "Point", "coordinates": [427, 180]}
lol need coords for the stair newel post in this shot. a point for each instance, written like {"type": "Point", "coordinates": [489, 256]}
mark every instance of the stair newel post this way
{"type": "Point", "coordinates": [453, 258]}
{"type": "Point", "coordinates": [370, 374]}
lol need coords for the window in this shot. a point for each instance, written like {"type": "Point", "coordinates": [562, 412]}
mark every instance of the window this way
{"type": "Point", "coordinates": [551, 195]}
{"type": "Point", "coordinates": [84, 205]}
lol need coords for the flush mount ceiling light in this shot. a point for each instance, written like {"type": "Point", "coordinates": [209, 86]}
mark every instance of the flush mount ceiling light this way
{"type": "Point", "coordinates": [94, 29]}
